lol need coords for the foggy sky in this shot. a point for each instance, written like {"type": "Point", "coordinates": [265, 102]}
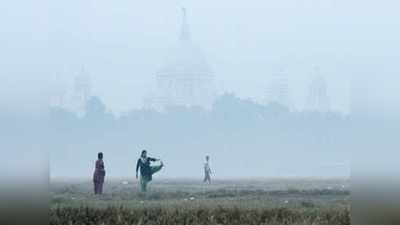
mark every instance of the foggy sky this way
{"type": "Point", "coordinates": [123, 43]}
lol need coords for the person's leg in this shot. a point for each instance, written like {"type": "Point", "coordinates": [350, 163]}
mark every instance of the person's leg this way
{"type": "Point", "coordinates": [101, 188]}
{"type": "Point", "coordinates": [143, 184]}
{"type": "Point", "coordinates": [95, 187]}
{"type": "Point", "coordinates": [208, 178]}
{"type": "Point", "coordinates": [155, 169]}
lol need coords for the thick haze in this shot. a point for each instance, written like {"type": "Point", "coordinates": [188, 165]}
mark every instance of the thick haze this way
{"type": "Point", "coordinates": [122, 43]}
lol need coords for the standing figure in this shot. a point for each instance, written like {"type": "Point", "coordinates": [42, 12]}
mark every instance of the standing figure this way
{"type": "Point", "coordinates": [146, 171]}
{"type": "Point", "coordinates": [207, 170]}
{"type": "Point", "coordinates": [99, 174]}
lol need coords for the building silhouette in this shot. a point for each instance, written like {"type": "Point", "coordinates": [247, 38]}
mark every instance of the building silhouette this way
{"type": "Point", "coordinates": [82, 91]}
{"type": "Point", "coordinates": [317, 99]}
{"type": "Point", "coordinates": [185, 79]}
{"type": "Point", "coordinates": [73, 97]}
{"type": "Point", "coordinates": [58, 93]}
{"type": "Point", "coordinates": [278, 91]}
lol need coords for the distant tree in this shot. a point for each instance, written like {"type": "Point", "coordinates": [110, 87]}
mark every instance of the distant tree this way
{"type": "Point", "coordinates": [240, 110]}
{"type": "Point", "coordinates": [95, 107]}
{"type": "Point", "coordinates": [276, 108]}
{"type": "Point", "coordinates": [96, 112]}
{"type": "Point", "coordinates": [59, 115]}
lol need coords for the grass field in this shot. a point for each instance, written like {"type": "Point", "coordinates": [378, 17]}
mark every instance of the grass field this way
{"type": "Point", "coordinates": [179, 201]}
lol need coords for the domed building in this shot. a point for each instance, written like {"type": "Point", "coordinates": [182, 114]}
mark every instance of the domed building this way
{"type": "Point", "coordinates": [185, 79]}
{"type": "Point", "coordinates": [318, 99]}
{"type": "Point", "coordinates": [278, 91]}
{"type": "Point", "coordinates": [74, 96]}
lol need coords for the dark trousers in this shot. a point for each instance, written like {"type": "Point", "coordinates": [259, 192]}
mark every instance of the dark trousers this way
{"type": "Point", "coordinates": [207, 177]}
{"type": "Point", "coordinates": [98, 188]}
{"type": "Point", "coordinates": [144, 180]}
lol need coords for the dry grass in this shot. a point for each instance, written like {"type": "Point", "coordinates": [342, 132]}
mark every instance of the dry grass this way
{"type": "Point", "coordinates": [206, 216]}
{"type": "Point", "coordinates": [185, 202]}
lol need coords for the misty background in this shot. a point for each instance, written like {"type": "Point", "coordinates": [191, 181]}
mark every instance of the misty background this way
{"type": "Point", "coordinates": [120, 45]}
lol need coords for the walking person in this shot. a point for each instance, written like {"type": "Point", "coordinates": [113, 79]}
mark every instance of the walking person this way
{"type": "Point", "coordinates": [207, 170]}
{"type": "Point", "coordinates": [99, 175]}
{"type": "Point", "coordinates": [146, 170]}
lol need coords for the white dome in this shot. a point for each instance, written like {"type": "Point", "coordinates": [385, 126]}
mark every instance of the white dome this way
{"type": "Point", "coordinates": [185, 78]}
{"type": "Point", "coordinates": [185, 60]}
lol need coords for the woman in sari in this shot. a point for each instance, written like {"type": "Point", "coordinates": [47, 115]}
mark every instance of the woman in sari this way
{"type": "Point", "coordinates": [99, 174]}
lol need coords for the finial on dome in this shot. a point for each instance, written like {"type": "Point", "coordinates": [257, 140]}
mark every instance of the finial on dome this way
{"type": "Point", "coordinates": [185, 34]}
{"type": "Point", "coordinates": [184, 12]}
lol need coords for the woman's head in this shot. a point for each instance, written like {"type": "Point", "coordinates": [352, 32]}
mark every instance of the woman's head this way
{"type": "Point", "coordinates": [100, 155]}
{"type": "Point", "coordinates": [144, 154]}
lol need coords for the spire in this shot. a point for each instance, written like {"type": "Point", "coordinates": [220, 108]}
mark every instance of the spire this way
{"type": "Point", "coordinates": [185, 34]}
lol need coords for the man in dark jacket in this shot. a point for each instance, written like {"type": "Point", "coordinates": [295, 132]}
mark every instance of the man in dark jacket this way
{"type": "Point", "coordinates": [146, 170]}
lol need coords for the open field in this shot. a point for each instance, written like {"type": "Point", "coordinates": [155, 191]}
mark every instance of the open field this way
{"type": "Point", "coordinates": [174, 201]}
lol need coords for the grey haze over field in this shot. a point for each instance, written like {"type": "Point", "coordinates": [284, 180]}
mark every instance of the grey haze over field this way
{"type": "Point", "coordinates": [123, 43]}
